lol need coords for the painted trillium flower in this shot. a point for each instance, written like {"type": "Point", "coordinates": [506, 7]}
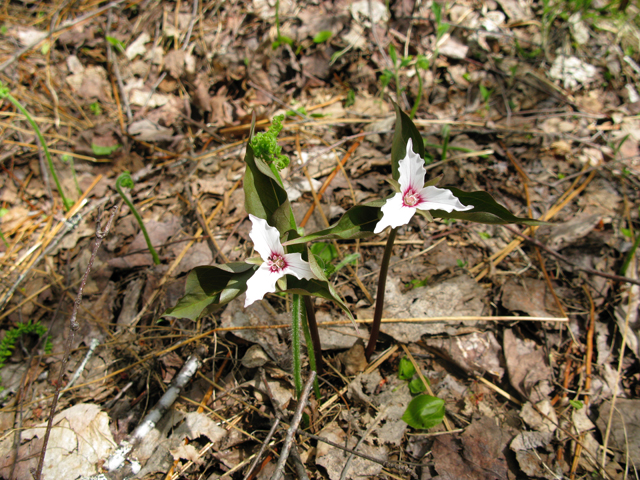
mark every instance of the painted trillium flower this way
{"type": "Point", "coordinates": [277, 264]}
{"type": "Point", "coordinates": [413, 195]}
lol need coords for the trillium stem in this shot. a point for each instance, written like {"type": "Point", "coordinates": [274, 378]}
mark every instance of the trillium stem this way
{"type": "Point", "coordinates": [312, 337]}
{"type": "Point", "coordinates": [382, 281]}
{"type": "Point", "coordinates": [297, 309]}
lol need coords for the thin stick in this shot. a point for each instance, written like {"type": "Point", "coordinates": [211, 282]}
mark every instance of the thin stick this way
{"type": "Point", "coordinates": [297, 417]}
{"type": "Point", "coordinates": [379, 417]}
{"type": "Point", "coordinates": [262, 448]}
{"type": "Point", "coordinates": [73, 327]}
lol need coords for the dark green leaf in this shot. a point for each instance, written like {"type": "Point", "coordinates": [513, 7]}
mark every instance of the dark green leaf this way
{"type": "Point", "coordinates": [264, 195]}
{"type": "Point", "coordinates": [424, 412]}
{"type": "Point", "coordinates": [211, 285]}
{"type": "Point", "coordinates": [322, 36]}
{"type": "Point", "coordinates": [406, 370]}
{"type": "Point", "coordinates": [357, 222]}
{"type": "Point", "coordinates": [405, 129]}
{"type": "Point", "coordinates": [577, 404]}
{"type": "Point", "coordinates": [326, 251]}
{"type": "Point", "coordinates": [486, 210]}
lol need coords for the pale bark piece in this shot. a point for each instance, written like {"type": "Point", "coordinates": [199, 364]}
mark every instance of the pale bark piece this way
{"type": "Point", "coordinates": [79, 439]}
{"type": "Point", "coordinates": [458, 296]}
{"type": "Point", "coordinates": [476, 354]}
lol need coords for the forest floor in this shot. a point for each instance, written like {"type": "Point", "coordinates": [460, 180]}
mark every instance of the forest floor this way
{"type": "Point", "coordinates": [534, 347]}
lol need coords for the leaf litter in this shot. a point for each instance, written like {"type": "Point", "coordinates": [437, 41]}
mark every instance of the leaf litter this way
{"type": "Point", "coordinates": [556, 94]}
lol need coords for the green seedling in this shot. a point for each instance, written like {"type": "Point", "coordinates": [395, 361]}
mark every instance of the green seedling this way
{"type": "Point", "coordinates": [95, 109]}
{"type": "Point", "coordinates": [101, 151]}
{"type": "Point", "coordinates": [69, 159]}
{"type": "Point", "coordinates": [577, 404]}
{"type": "Point", "coordinates": [421, 64]}
{"type": "Point", "coordinates": [125, 180]}
{"type": "Point", "coordinates": [3, 212]}
{"type": "Point", "coordinates": [326, 253]}
{"type": "Point", "coordinates": [446, 135]}
{"type": "Point", "coordinates": [4, 93]}
{"type": "Point", "coordinates": [322, 36]}
{"type": "Point", "coordinates": [631, 252]}
{"type": "Point", "coordinates": [423, 411]}
{"type": "Point", "coordinates": [351, 99]}
{"type": "Point", "coordinates": [117, 44]}
{"type": "Point", "coordinates": [415, 283]}
{"type": "Point", "coordinates": [484, 235]}
{"type": "Point", "coordinates": [441, 27]}
{"type": "Point", "coordinates": [280, 39]}
{"type": "Point", "coordinates": [8, 343]}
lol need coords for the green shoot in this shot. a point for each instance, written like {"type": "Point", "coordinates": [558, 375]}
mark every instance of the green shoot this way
{"type": "Point", "coordinates": [280, 39]}
{"type": "Point", "coordinates": [69, 159]}
{"type": "Point", "coordinates": [265, 145]}
{"type": "Point", "coordinates": [421, 64]}
{"type": "Point", "coordinates": [125, 180]}
{"type": "Point", "coordinates": [445, 141]}
{"type": "Point", "coordinates": [3, 212]}
{"type": "Point", "coordinates": [4, 93]}
{"type": "Point", "coordinates": [322, 36]}
{"type": "Point", "coordinates": [8, 343]}
{"type": "Point", "coordinates": [95, 109]}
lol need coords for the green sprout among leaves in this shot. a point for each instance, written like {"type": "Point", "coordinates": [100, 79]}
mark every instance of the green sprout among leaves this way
{"type": "Point", "coordinates": [280, 39]}
{"type": "Point", "coordinates": [95, 108]}
{"type": "Point", "coordinates": [3, 212]}
{"type": "Point", "coordinates": [8, 343]}
{"type": "Point", "coordinates": [69, 159]}
{"type": "Point", "coordinates": [125, 180]}
{"type": "Point", "coordinates": [265, 145]}
{"type": "Point", "coordinates": [4, 93]}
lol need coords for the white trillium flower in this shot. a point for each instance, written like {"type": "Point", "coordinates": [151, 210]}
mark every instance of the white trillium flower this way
{"type": "Point", "coordinates": [277, 264]}
{"type": "Point", "coordinates": [413, 195]}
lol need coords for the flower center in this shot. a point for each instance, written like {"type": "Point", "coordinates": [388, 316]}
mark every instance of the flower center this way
{"type": "Point", "coordinates": [411, 198]}
{"type": "Point", "coordinates": [276, 262]}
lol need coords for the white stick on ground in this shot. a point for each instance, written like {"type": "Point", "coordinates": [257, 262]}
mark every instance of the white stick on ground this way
{"type": "Point", "coordinates": [189, 368]}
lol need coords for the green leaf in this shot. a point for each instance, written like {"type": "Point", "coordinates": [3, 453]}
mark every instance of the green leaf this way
{"type": "Point", "coordinates": [406, 61]}
{"type": "Point", "coordinates": [103, 151]}
{"type": "Point", "coordinates": [211, 285]}
{"type": "Point", "coordinates": [405, 130]}
{"type": "Point", "coordinates": [417, 386]}
{"type": "Point", "coordinates": [392, 54]}
{"type": "Point", "coordinates": [424, 412]}
{"type": "Point", "coordinates": [348, 259]}
{"type": "Point", "coordinates": [326, 251]}
{"type": "Point", "coordinates": [117, 44]}
{"type": "Point", "coordinates": [577, 404]}
{"type": "Point", "coordinates": [357, 222]}
{"type": "Point", "coordinates": [351, 99]}
{"type": "Point", "coordinates": [406, 370]}
{"type": "Point", "coordinates": [264, 195]}
{"type": "Point", "coordinates": [422, 62]}
{"type": "Point", "coordinates": [322, 36]}
{"type": "Point", "coordinates": [485, 210]}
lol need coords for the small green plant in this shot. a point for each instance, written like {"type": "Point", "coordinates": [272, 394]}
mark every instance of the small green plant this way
{"type": "Point", "coordinates": [485, 93]}
{"type": "Point", "coordinates": [3, 212]}
{"type": "Point", "coordinates": [441, 27]}
{"type": "Point", "coordinates": [424, 411]}
{"type": "Point", "coordinates": [125, 180]}
{"type": "Point", "coordinates": [4, 93]}
{"type": "Point", "coordinates": [8, 343]}
{"type": "Point", "coordinates": [322, 36]}
{"type": "Point", "coordinates": [69, 159]}
{"type": "Point", "coordinates": [280, 39]}
{"type": "Point", "coordinates": [446, 136]}
{"type": "Point", "coordinates": [265, 145]}
{"type": "Point", "coordinates": [415, 283]}
{"type": "Point", "coordinates": [351, 99]}
{"type": "Point", "coordinates": [577, 404]}
{"type": "Point", "coordinates": [117, 44]}
{"type": "Point", "coordinates": [95, 108]}
{"type": "Point", "coordinates": [461, 263]}
{"type": "Point", "coordinates": [421, 64]}
{"type": "Point", "coordinates": [484, 235]}
{"type": "Point", "coordinates": [326, 253]}
{"type": "Point", "coordinates": [101, 151]}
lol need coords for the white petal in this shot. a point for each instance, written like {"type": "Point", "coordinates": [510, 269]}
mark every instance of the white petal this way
{"type": "Point", "coordinates": [297, 267]}
{"type": "Point", "coordinates": [411, 169]}
{"type": "Point", "coordinates": [394, 214]}
{"type": "Point", "coordinates": [266, 239]}
{"type": "Point", "coordinates": [441, 199]}
{"type": "Point", "coordinates": [261, 283]}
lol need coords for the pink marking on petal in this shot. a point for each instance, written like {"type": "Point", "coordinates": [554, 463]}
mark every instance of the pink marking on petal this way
{"type": "Point", "coordinates": [277, 263]}
{"type": "Point", "coordinates": [411, 198]}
